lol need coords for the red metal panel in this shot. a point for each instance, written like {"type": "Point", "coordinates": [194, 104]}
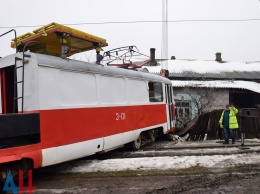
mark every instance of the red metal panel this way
{"type": "Point", "coordinates": [30, 151]}
{"type": "Point", "coordinates": [10, 158]}
{"type": "Point", "coordinates": [66, 126]}
{"type": "Point", "coordinates": [173, 111]}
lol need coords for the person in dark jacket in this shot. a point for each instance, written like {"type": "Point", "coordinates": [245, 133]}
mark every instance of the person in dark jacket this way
{"type": "Point", "coordinates": [228, 121]}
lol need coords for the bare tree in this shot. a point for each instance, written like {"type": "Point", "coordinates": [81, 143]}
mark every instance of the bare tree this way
{"type": "Point", "coordinates": [203, 99]}
{"type": "Point", "coordinates": [198, 100]}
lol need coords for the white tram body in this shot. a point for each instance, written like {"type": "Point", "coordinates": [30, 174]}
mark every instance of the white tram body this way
{"type": "Point", "coordinates": [71, 109]}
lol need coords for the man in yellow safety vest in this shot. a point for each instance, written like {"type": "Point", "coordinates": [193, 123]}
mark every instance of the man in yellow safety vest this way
{"type": "Point", "coordinates": [228, 121]}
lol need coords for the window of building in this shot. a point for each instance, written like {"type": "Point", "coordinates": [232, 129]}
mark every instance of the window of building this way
{"type": "Point", "coordinates": [183, 109]}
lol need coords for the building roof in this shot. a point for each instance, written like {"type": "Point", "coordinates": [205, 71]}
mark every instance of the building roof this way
{"type": "Point", "coordinates": [210, 69]}
{"type": "Point", "coordinates": [249, 85]}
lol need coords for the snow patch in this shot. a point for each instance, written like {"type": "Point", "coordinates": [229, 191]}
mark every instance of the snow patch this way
{"type": "Point", "coordinates": [166, 163]}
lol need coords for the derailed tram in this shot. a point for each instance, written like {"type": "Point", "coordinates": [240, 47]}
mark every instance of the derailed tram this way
{"type": "Point", "coordinates": [54, 109]}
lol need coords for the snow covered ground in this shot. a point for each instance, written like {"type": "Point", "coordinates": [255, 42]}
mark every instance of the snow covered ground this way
{"type": "Point", "coordinates": [167, 163]}
{"type": "Point", "coordinates": [218, 157]}
{"type": "Point", "coordinates": [156, 164]}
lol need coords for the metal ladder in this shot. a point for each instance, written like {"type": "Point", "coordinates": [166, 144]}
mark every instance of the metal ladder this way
{"type": "Point", "coordinates": [17, 82]}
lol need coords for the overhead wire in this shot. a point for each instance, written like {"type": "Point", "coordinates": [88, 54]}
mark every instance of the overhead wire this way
{"type": "Point", "coordinates": [133, 22]}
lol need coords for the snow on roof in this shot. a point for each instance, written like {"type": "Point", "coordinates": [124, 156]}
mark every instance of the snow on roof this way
{"type": "Point", "coordinates": [253, 86]}
{"type": "Point", "coordinates": [196, 68]}
{"type": "Point", "coordinates": [206, 66]}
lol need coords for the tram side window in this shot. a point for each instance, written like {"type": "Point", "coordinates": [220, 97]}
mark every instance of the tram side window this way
{"type": "Point", "coordinates": [155, 92]}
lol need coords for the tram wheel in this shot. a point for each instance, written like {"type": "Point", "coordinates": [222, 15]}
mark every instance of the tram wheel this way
{"type": "Point", "coordinates": [3, 174]}
{"type": "Point", "coordinates": [136, 144]}
{"type": "Point", "coordinates": [151, 134]}
{"type": "Point", "coordinates": [26, 165]}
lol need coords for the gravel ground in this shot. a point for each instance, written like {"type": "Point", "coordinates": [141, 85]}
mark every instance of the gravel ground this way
{"type": "Point", "coordinates": [243, 180]}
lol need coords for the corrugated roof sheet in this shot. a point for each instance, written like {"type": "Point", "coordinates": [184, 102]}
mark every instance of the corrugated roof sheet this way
{"type": "Point", "coordinates": [249, 85]}
{"type": "Point", "coordinates": [220, 75]}
{"type": "Point", "coordinates": [210, 69]}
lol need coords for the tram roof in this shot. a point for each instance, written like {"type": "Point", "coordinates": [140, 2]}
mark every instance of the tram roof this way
{"type": "Point", "coordinates": [82, 66]}
{"type": "Point", "coordinates": [76, 65]}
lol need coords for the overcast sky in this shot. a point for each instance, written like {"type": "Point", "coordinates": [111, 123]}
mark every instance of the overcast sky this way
{"type": "Point", "coordinates": [237, 41]}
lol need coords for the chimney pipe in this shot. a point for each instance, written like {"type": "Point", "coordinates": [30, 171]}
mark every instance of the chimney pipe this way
{"type": "Point", "coordinates": [152, 57]}
{"type": "Point", "coordinates": [218, 57]}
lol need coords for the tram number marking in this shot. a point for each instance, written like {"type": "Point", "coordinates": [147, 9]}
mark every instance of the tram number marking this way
{"type": "Point", "coordinates": [120, 116]}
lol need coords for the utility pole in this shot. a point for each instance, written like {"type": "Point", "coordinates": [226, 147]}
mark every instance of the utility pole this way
{"type": "Point", "coordinates": [164, 50]}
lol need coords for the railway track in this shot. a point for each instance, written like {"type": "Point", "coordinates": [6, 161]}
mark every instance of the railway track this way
{"type": "Point", "coordinates": [184, 152]}
{"type": "Point", "coordinates": [166, 148]}
{"type": "Point", "coordinates": [162, 163]}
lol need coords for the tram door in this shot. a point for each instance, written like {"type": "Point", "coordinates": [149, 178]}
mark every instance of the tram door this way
{"type": "Point", "coordinates": [170, 107]}
{"type": "Point", "coordinates": [7, 89]}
